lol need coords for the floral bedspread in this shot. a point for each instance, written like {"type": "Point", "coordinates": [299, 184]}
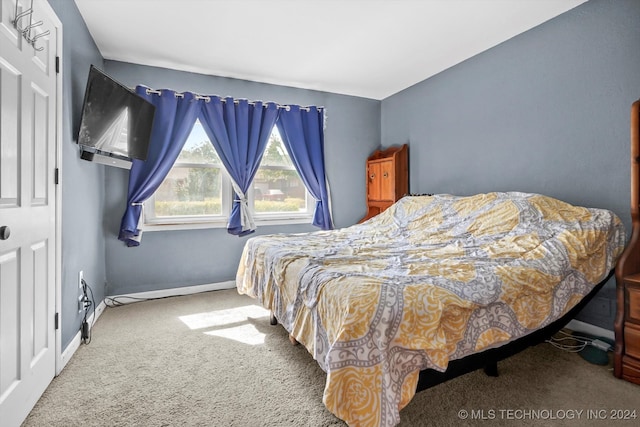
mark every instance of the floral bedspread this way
{"type": "Point", "coordinates": [431, 279]}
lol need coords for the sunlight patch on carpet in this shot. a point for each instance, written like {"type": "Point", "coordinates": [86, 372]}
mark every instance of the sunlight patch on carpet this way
{"type": "Point", "coordinates": [227, 316]}
{"type": "Point", "coordinates": [246, 334]}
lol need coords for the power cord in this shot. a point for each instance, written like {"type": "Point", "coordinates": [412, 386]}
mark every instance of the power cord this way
{"type": "Point", "coordinates": [119, 301]}
{"type": "Point", "coordinates": [579, 343]}
{"type": "Point", "coordinates": [86, 304]}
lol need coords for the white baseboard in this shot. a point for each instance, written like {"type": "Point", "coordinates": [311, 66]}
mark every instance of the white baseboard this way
{"type": "Point", "coordinates": [173, 292]}
{"type": "Point", "coordinates": [75, 342]}
{"type": "Point", "coordinates": [587, 328]}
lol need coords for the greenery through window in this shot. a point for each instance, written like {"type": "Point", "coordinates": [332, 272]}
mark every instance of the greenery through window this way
{"type": "Point", "coordinates": [277, 185]}
{"type": "Point", "coordinates": [198, 189]}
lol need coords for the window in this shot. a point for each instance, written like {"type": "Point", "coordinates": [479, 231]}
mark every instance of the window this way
{"type": "Point", "coordinates": [197, 191]}
{"type": "Point", "coordinates": [277, 187]}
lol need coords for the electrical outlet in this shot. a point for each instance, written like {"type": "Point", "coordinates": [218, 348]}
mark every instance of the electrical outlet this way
{"type": "Point", "coordinates": [81, 307]}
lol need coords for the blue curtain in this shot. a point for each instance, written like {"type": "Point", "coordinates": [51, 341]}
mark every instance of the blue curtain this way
{"type": "Point", "coordinates": [173, 121]}
{"type": "Point", "coordinates": [302, 132]}
{"type": "Point", "coordinates": [239, 131]}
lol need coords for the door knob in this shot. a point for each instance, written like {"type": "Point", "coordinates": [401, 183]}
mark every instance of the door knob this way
{"type": "Point", "coordinates": [5, 232]}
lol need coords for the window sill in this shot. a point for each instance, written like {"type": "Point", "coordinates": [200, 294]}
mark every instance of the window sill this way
{"type": "Point", "coordinates": [198, 225]}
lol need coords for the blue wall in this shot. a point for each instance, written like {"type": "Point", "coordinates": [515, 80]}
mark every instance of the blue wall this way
{"type": "Point", "coordinates": [544, 112]}
{"type": "Point", "coordinates": [82, 183]}
{"type": "Point", "coordinates": [169, 259]}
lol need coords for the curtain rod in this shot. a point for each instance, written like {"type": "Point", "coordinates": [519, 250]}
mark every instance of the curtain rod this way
{"type": "Point", "coordinates": [208, 98]}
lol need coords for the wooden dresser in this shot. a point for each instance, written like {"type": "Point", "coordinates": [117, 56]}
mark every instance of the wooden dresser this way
{"type": "Point", "coordinates": [627, 324]}
{"type": "Point", "coordinates": [387, 178]}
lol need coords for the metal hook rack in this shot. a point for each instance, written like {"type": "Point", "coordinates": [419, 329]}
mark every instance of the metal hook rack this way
{"type": "Point", "coordinates": [26, 31]}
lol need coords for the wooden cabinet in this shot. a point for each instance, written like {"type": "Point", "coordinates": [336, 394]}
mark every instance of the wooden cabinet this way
{"type": "Point", "coordinates": [627, 355]}
{"type": "Point", "coordinates": [626, 362]}
{"type": "Point", "coordinates": [387, 178]}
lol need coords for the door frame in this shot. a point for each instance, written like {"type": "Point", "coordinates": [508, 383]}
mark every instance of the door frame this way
{"type": "Point", "coordinates": [58, 186]}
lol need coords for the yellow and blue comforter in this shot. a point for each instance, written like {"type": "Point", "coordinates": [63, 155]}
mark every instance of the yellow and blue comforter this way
{"type": "Point", "coordinates": [431, 279]}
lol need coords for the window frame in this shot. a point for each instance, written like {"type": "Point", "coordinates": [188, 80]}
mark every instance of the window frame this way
{"type": "Point", "coordinates": [188, 222]}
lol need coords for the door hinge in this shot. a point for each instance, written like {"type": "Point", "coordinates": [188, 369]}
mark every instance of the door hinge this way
{"type": "Point", "coordinates": [57, 65]}
{"type": "Point", "coordinates": [56, 176]}
{"type": "Point", "coordinates": [56, 321]}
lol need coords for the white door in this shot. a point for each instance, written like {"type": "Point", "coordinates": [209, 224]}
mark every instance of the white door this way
{"type": "Point", "coordinates": [28, 138]}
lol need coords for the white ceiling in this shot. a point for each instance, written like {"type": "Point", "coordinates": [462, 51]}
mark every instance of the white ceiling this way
{"type": "Point", "coordinates": [368, 48]}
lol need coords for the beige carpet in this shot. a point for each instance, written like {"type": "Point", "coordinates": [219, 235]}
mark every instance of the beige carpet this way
{"type": "Point", "coordinates": [212, 359]}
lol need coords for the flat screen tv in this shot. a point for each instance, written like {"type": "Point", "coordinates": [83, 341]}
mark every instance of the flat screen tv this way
{"type": "Point", "coordinates": [115, 126]}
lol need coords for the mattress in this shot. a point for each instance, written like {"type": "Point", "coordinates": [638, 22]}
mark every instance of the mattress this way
{"type": "Point", "coordinates": [429, 280]}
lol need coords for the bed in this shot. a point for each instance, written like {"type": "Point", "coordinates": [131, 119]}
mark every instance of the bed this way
{"type": "Point", "coordinates": [433, 287]}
